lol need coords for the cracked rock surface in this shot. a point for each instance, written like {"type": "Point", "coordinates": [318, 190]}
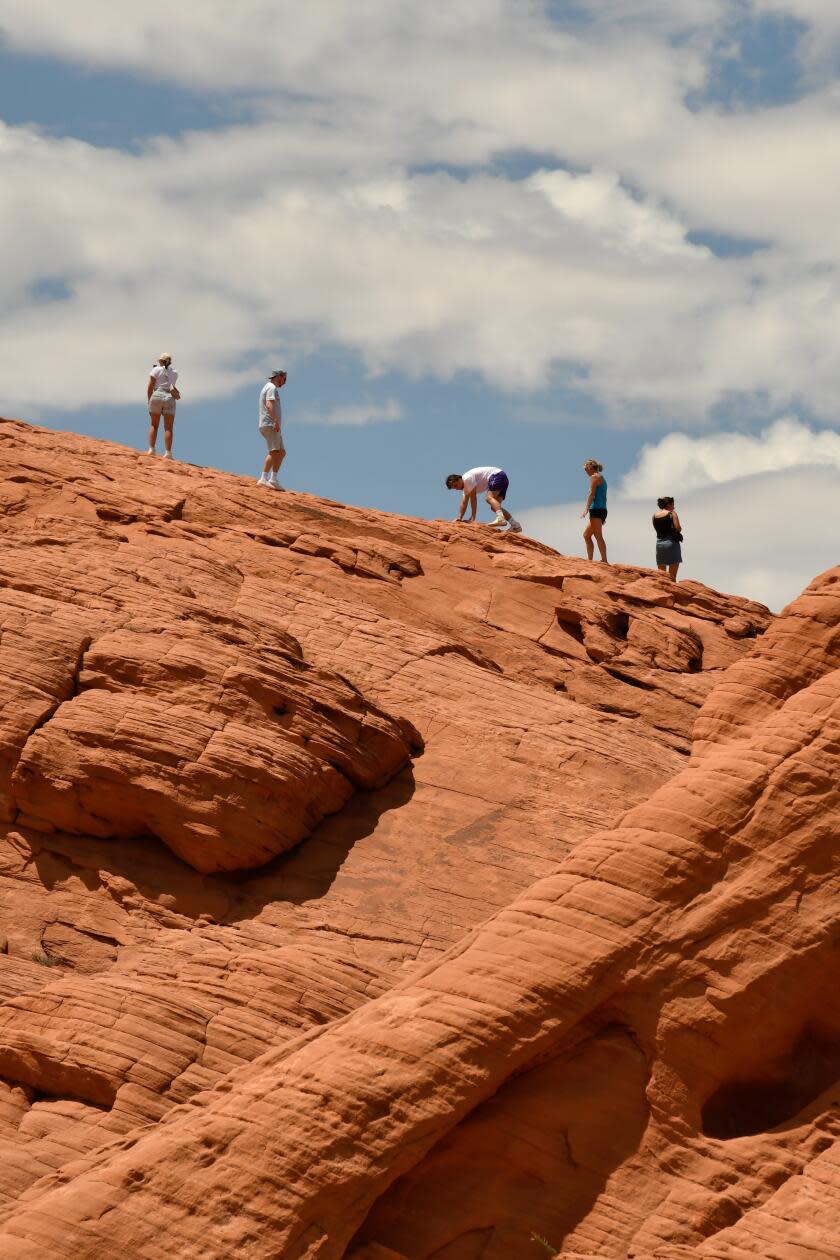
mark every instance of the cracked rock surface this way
{"type": "Point", "coordinates": [369, 889]}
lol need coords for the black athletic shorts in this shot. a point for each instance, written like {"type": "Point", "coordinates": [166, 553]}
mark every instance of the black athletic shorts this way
{"type": "Point", "coordinates": [597, 514]}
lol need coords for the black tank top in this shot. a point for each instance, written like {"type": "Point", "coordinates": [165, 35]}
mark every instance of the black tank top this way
{"type": "Point", "coordinates": [664, 526]}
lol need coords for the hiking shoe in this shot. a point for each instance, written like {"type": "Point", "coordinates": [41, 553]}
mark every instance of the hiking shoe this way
{"type": "Point", "coordinates": [275, 485]}
{"type": "Point", "coordinates": [263, 481]}
{"type": "Point", "coordinates": [499, 522]}
{"type": "Point", "coordinates": [151, 451]}
{"type": "Point", "coordinates": [514, 527]}
{"type": "Point", "coordinates": [167, 454]}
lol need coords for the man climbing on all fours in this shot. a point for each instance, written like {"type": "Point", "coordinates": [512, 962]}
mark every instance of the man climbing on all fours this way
{"type": "Point", "coordinates": [495, 484]}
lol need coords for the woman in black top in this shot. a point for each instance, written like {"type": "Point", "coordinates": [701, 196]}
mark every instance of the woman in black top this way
{"type": "Point", "coordinates": [668, 537]}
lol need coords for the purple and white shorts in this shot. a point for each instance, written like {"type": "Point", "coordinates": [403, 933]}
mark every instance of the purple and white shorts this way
{"type": "Point", "coordinates": [498, 485]}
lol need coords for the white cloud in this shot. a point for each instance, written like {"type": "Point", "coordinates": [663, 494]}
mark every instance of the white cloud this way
{"type": "Point", "coordinates": [598, 203]}
{"type": "Point", "coordinates": [356, 414]}
{"type": "Point", "coordinates": [224, 255]}
{"type": "Point", "coordinates": [444, 61]}
{"type": "Point", "coordinates": [736, 537]}
{"type": "Point", "coordinates": [769, 174]}
{"type": "Point", "coordinates": [313, 224]}
{"type": "Point", "coordinates": [692, 463]}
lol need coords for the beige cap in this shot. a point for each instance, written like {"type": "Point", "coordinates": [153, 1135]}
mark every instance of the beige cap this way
{"type": "Point", "coordinates": [161, 357]}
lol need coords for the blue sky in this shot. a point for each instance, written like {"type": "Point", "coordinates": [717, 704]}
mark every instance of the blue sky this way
{"type": "Point", "coordinates": [525, 233]}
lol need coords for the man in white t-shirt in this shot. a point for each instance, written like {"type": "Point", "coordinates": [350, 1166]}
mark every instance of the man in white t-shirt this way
{"type": "Point", "coordinates": [162, 394]}
{"type": "Point", "coordinates": [493, 482]}
{"type": "Point", "coordinates": [269, 421]}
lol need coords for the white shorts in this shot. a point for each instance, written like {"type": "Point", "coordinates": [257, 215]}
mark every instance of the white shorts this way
{"type": "Point", "coordinates": [273, 439]}
{"type": "Point", "coordinates": [161, 404]}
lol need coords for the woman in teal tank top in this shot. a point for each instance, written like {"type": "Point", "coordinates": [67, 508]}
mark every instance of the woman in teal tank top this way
{"type": "Point", "coordinates": [595, 509]}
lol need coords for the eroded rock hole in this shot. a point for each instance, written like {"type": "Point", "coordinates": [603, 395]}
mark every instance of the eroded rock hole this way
{"type": "Point", "coordinates": [619, 709]}
{"type": "Point", "coordinates": [620, 624]}
{"type": "Point", "coordinates": [630, 679]}
{"type": "Point", "coordinates": [572, 628]}
{"type": "Point", "coordinates": [743, 1108]}
{"type": "Point", "coordinates": [283, 714]}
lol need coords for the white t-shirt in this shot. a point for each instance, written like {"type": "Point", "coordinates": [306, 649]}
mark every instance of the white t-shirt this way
{"type": "Point", "coordinates": [164, 378]}
{"type": "Point", "coordinates": [477, 479]}
{"type": "Point", "coordinates": [269, 392]}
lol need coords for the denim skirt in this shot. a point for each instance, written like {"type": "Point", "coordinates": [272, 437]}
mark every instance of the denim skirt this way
{"type": "Point", "coordinates": [668, 551]}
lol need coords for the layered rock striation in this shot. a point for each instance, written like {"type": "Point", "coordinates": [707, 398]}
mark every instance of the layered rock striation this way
{"type": "Point", "coordinates": [392, 889]}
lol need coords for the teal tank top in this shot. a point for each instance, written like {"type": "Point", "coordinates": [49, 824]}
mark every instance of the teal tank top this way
{"type": "Point", "coordinates": [600, 500]}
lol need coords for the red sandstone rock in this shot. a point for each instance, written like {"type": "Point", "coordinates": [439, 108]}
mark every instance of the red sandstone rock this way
{"type": "Point", "coordinates": [223, 744]}
{"type": "Point", "coordinates": [479, 1000]}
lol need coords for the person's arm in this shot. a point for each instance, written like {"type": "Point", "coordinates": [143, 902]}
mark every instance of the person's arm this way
{"type": "Point", "coordinates": [271, 408]}
{"type": "Point", "coordinates": [150, 388]}
{"type": "Point", "coordinates": [462, 507]}
{"type": "Point", "coordinates": [594, 482]}
{"type": "Point", "coordinates": [468, 499]}
{"type": "Point", "coordinates": [676, 521]}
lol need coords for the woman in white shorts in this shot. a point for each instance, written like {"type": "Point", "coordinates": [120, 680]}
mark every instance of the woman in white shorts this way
{"type": "Point", "coordinates": [162, 394]}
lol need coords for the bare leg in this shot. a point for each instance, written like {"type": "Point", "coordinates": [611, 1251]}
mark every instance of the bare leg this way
{"type": "Point", "coordinates": [277, 458]}
{"type": "Point", "coordinates": [168, 426]}
{"type": "Point", "coordinates": [496, 505]}
{"type": "Point", "coordinates": [587, 538]}
{"type": "Point", "coordinates": [597, 526]}
{"type": "Point", "coordinates": [154, 421]}
{"type": "Point", "coordinates": [672, 571]}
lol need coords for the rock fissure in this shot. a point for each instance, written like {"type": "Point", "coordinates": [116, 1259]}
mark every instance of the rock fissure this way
{"type": "Point", "coordinates": [72, 689]}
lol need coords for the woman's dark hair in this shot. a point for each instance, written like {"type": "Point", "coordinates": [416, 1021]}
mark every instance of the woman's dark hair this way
{"type": "Point", "coordinates": [667, 500]}
{"type": "Point", "coordinates": [451, 479]}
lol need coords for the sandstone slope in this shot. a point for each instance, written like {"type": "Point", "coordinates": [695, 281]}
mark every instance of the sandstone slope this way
{"type": "Point", "coordinates": [422, 720]}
